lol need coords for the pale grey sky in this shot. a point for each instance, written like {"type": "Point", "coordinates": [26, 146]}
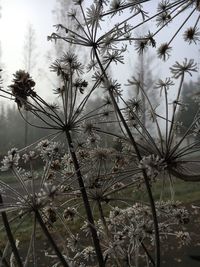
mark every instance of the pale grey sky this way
{"type": "Point", "coordinates": [18, 14]}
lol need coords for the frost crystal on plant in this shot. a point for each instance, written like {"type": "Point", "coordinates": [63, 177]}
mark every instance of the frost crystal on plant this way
{"type": "Point", "coordinates": [11, 160]}
{"type": "Point", "coordinates": [152, 164]}
{"type": "Point", "coordinates": [79, 185]}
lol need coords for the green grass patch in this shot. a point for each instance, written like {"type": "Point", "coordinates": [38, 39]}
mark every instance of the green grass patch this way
{"type": "Point", "coordinates": [7, 177]}
{"type": "Point", "coordinates": [186, 192]}
{"type": "Point", "coordinates": [183, 191]}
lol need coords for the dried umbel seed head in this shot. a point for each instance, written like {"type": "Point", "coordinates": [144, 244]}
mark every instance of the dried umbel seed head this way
{"type": "Point", "coordinates": [100, 154]}
{"type": "Point", "coordinates": [88, 127]}
{"type": "Point", "coordinates": [192, 34]}
{"type": "Point", "coordinates": [198, 5]}
{"type": "Point", "coordinates": [50, 214]}
{"type": "Point", "coordinates": [164, 51]}
{"type": "Point", "coordinates": [69, 214]}
{"type": "Point", "coordinates": [141, 46]}
{"type": "Point", "coordinates": [188, 66]}
{"type": "Point", "coordinates": [11, 160]}
{"type": "Point", "coordinates": [22, 87]}
{"type": "Point", "coordinates": [55, 165]}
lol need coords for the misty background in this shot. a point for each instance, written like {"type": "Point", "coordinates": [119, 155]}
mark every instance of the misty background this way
{"type": "Point", "coordinates": [24, 27]}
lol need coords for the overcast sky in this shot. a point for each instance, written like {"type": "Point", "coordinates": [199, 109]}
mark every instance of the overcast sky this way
{"type": "Point", "coordinates": [16, 15]}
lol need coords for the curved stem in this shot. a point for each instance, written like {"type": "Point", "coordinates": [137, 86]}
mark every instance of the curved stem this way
{"type": "Point", "coordinates": [10, 236]}
{"type": "Point", "coordinates": [167, 117]}
{"type": "Point", "coordinates": [86, 202]}
{"type": "Point", "coordinates": [173, 123]}
{"type": "Point", "coordinates": [147, 253]}
{"type": "Point", "coordinates": [3, 260]}
{"type": "Point", "coordinates": [181, 26]}
{"type": "Point", "coordinates": [48, 235]}
{"type": "Point", "coordinates": [146, 178]}
{"type": "Point", "coordinates": [106, 229]}
{"type": "Point", "coordinates": [154, 117]}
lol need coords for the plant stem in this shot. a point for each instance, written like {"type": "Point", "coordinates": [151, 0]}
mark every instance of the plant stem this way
{"type": "Point", "coordinates": [148, 254]}
{"type": "Point", "coordinates": [10, 236]}
{"type": "Point", "coordinates": [146, 178]}
{"type": "Point", "coordinates": [48, 235]}
{"type": "Point", "coordinates": [86, 202]}
{"type": "Point", "coordinates": [103, 218]}
{"type": "Point", "coordinates": [106, 229]}
{"type": "Point", "coordinates": [3, 260]}
{"type": "Point", "coordinates": [173, 123]}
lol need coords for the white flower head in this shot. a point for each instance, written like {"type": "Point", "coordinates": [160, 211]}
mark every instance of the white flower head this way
{"type": "Point", "coordinates": [47, 149]}
{"type": "Point", "coordinates": [88, 253]}
{"type": "Point", "coordinates": [153, 164]}
{"type": "Point", "coordinates": [11, 160]}
{"type": "Point", "coordinates": [27, 157]}
{"type": "Point", "coordinates": [48, 191]}
{"type": "Point", "coordinates": [184, 237]}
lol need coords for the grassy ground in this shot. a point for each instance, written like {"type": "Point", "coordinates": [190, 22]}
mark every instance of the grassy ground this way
{"type": "Point", "coordinates": [7, 177]}
{"type": "Point", "coordinates": [183, 191]}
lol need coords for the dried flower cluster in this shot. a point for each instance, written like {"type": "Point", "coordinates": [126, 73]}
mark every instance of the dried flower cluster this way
{"type": "Point", "coordinates": [80, 185]}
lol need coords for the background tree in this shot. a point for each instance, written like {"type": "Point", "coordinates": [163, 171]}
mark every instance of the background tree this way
{"type": "Point", "coordinates": [61, 16]}
{"type": "Point", "coordinates": [145, 73]}
{"type": "Point", "coordinates": [9, 120]}
{"type": "Point", "coordinates": [92, 175]}
{"type": "Point", "coordinates": [29, 55]}
{"type": "Point", "coordinates": [3, 130]}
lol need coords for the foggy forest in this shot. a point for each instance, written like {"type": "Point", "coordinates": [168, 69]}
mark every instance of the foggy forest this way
{"type": "Point", "coordinates": [100, 133]}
